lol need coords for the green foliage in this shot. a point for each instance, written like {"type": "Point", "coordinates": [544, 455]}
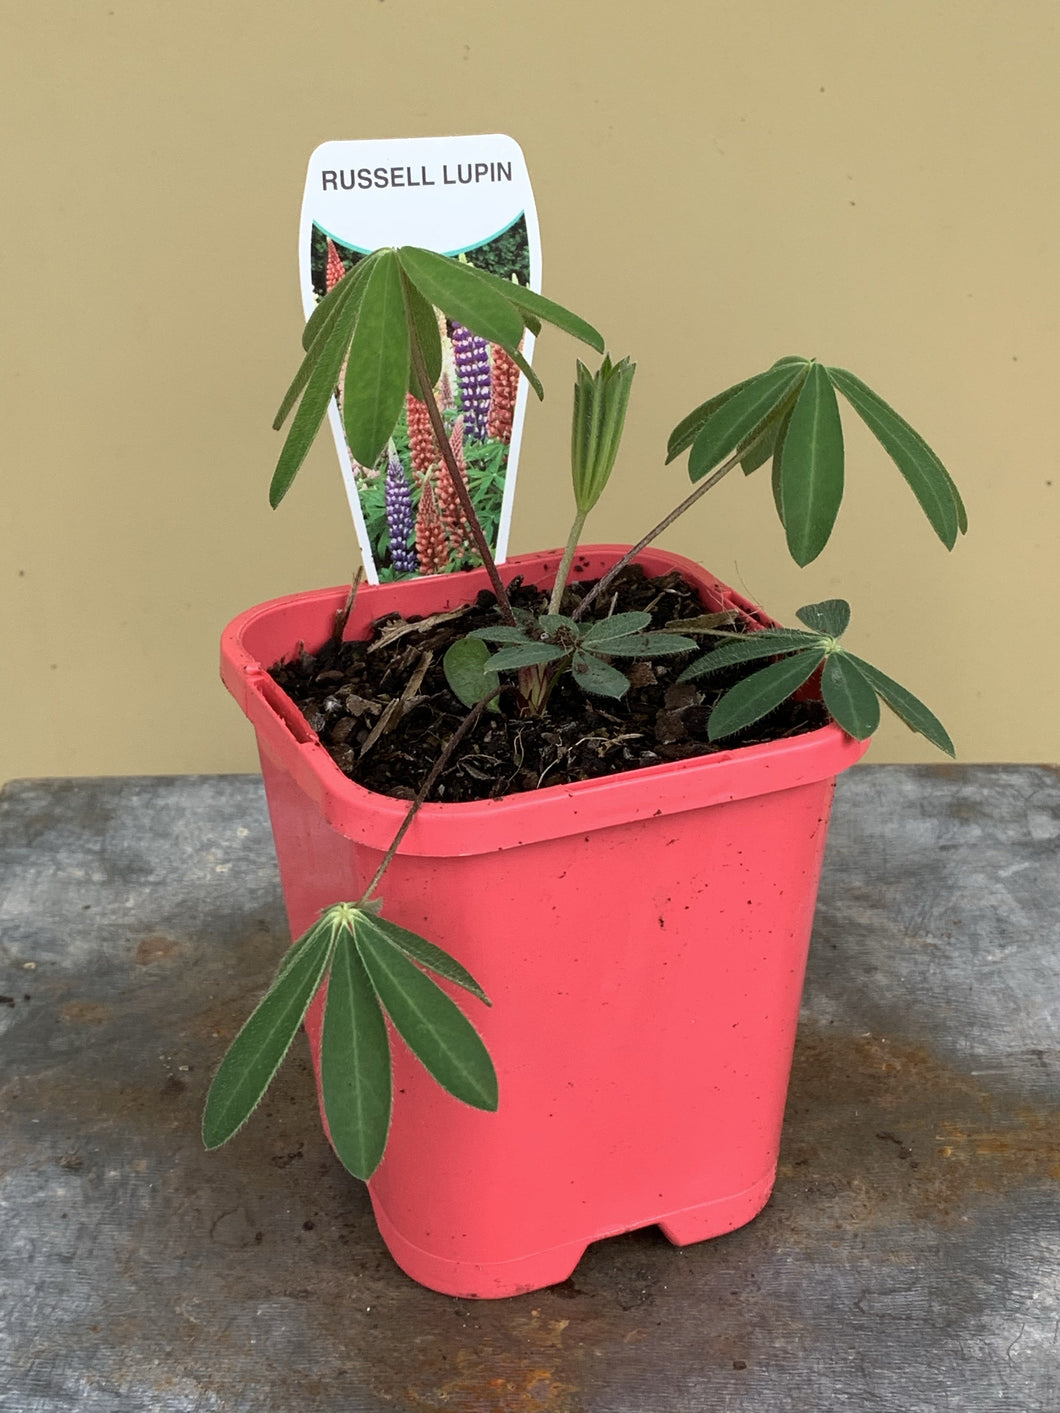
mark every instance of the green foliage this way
{"type": "Point", "coordinates": [744, 414]}
{"type": "Point", "coordinates": [757, 695]}
{"type": "Point", "coordinates": [373, 969]}
{"type": "Point", "coordinates": [811, 468]}
{"type": "Point", "coordinates": [600, 402]}
{"type": "Point", "coordinates": [904, 705]}
{"type": "Point", "coordinates": [852, 689]}
{"type": "Point", "coordinates": [355, 1062]}
{"type": "Point", "coordinates": [371, 320]}
{"type": "Point", "coordinates": [931, 483]}
{"type": "Point", "coordinates": [466, 672]}
{"type": "Point", "coordinates": [849, 696]}
{"type": "Point", "coordinates": [431, 1025]}
{"type": "Point", "coordinates": [258, 1050]}
{"type": "Point", "coordinates": [314, 383]}
{"type": "Point", "coordinates": [476, 300]}
{"type": "Point", "coordinates": [582, 648]}
{"type": "Point", "coordinates": [377, 363]}
{"type": "Point", "coordinates": [789, 415]}
{"type": "Point", "coordinates": [422, 317]}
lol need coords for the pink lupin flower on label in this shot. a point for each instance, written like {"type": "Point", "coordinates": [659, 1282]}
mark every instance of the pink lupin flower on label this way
{"type": "Point", "coordinates": [504, 384]}
{"type": "Point", "coordinates": [421, 439]}
{"type": "Point", "coordinates": [458, 531]}
{"type": "Point", "coordinates": [432, 547]}
{"type": "Point", "coordinates": [335, 268]}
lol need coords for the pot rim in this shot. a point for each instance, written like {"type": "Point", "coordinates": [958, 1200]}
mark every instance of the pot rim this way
{"type": "Point", "coordinates": [479, 826]}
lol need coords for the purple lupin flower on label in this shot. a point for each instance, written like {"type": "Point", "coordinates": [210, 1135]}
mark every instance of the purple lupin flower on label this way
{"type": "Point", "coordinates": [399, 517]}
{"type": "Point", "coordinates": [472, 356]}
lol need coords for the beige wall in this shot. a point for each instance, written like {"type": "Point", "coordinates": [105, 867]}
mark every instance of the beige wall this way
{"type": "Point", "coordinates": [873, 184]}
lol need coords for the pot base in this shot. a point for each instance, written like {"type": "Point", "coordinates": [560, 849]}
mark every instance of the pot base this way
{"type": "Point", "coordinates": [498, 1280]}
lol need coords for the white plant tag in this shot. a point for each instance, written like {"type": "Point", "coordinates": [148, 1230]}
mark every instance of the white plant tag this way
{"type": "Point", "coordinates": [467, 197]}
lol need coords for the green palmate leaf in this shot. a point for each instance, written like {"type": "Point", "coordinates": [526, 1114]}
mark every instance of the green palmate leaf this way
{"type": "Point", "coordinates": [741, 418]}
{"type": "Point", "coordinates": [536, 309]}
{"type": "Point", "coordinates": [377, 370]}
{"type": "Point", "coordinates": [257, 1051]}
{"type": "Point", "coordinates": [298, 948]}
{"type": "Point", "coordinates": [931, 483]}
{"type": "Point", "coordinates": [505, 632]}
{"type": "Point", "coordinates": [431, 1025]}
{"type": "Point", "coordinates": [770, 444]}
{"type": "Point", "coordinates": [298, 383]}
{"type": "Point", "coordinates": [355, 1063]}
{"type": "Point", "coordinates": [527, 372]}
{"type": "Point", "coordinates": [425, 323]}
{"type": "Point", "coordinates": [811, 468]}
{"type": "Point", "coordinates": [830, 616]}
{"type": "Point", "coordinates": [686, 431]}
{"type": "Point", "coordinates": [598, 677]}
{"type": "Point", "coordinates": [748, 648]}
{"type": "Point", "coordinates": [465, 671]}
{"type": "Point", "coordinates": [902, 702]}
{"type": "Point", "coordinates": [760, 693]}
{"type": "Point", "coordinates": [766, 446]}
{"type": "Point", "coordinates": [761, 452]}
{"type": "Point", "coordinates": [428, 955]}
{"type": "Point", "coordinates": [342, 313]}
{"type": "Point", "coordinates": [553, 623]}
{"type": "Point", "coordinates": [523, 655]}
{"type": "Point", "coordinates": [617, 626]}
{"type": "Point", "coordinates": [778, 457]}
{"type": "Point", "coordinates": [644, 645]}
{"type": "Point", "coordinates": [849, 697]}
{"type": "Point", "coordinates": [962, 513]}
{"type": "Point", "coordinates": [319, 390]}
{"type": "Point", "coordinates": [335, 297]}
{"type": "Point", "coordinates": [458, 291]}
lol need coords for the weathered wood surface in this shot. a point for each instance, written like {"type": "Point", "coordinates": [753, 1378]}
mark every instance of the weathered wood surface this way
{"type": "Point", "coordinates": [909, 1259]}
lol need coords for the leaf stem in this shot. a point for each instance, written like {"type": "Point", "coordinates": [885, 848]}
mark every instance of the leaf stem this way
{"type": "Point", "coordinates": [664, 524]}
{"type": "Point", "coordinates": [445, 451]}
{"type": "Point", "coordinates": [568, 559]}
{"type": "Point", "coordinates": [426, 788]}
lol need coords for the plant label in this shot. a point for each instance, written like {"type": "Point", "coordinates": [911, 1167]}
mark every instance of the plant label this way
{"type": "Point", "coordinates": [469, 198]}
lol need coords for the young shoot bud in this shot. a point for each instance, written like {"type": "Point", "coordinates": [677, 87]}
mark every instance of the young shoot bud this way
{"type": "Point", "coordinates": [600, 402]}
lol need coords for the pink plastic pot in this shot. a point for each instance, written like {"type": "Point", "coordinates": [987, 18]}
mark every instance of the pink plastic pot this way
{"type": "Point", "coordinates": [642, 938]}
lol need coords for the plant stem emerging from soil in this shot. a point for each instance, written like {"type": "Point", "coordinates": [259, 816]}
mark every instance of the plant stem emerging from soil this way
{"type": "Point", "coordinates": [445, 451]}
{"type": "Point", "coordinates": [567, 561]}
